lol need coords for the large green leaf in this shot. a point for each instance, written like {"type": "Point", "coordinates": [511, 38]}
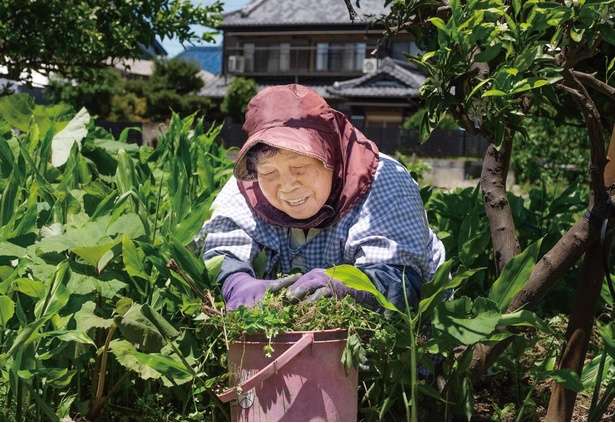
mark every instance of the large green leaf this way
{"type": "Point", "coordinates": [514, 275]}
{"type": "Point", "coordinates": [468, 322]}
{"type": "Point", "coordinates": [440, 283]}
{"type": "Point", "coordinates": [30, 287]}
{"type": "Point", "coordinates": [11, 250]}
{"type": "Point", "coordinates": [141, 331]}
{"type": "Point", "coordinates": [133, 258]}
{"type": "Point", "coordinates": [355, 279]}
{"type": "Point", "coordinates": [192, 265]}
{"type": "Point", "coordinates": [94, 255]}
{"type": "Point", "coordinates": [150, 366]}
{"type": "Point", "coordinates": [7, 309]}
{"type": "Point", "coordinates": [86, 319]}
{"type": "Point", "coordinates": [63, 141]}
{"type": "Point", "coordinates": [190, 226]}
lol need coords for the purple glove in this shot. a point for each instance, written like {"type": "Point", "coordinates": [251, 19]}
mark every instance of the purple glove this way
{"type": "Point", "coordinates": [317, 284]}
{"type": "Point", "coordinates": [241, 289]}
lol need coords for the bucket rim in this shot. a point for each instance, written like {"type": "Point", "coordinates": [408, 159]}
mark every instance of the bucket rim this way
{"type": "Point", "coordinates": [290, 337]}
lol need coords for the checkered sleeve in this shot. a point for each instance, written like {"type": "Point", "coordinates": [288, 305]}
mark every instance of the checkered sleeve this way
{"type": "Point", "coordinates": [392, 226]}
{"type": "Point", "coordinates": [227, 231]}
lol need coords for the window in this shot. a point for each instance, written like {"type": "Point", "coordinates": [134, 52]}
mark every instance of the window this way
{"type": "Point", "coordinates": [322, 56]}
{"type": "Point", "coordinates": [359, 56]}
{"type": "Point", "coordinates": [284, 57]}
{"type": "Point", "coordinates": [248, 57]}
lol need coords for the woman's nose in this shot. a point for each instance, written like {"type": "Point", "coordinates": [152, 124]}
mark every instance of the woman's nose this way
{"type": "Point", "coordinates": [289, 182]}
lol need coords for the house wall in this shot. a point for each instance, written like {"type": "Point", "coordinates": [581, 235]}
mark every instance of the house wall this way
{"type": "Point", "coordinates": [264, 55]}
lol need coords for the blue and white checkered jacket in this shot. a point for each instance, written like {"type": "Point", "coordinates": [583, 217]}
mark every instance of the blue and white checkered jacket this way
{"type": "Point", "coordinates": [385, 232]}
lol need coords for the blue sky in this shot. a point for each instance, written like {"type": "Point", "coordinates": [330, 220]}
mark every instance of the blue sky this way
{"type": "Point", "coordinates": [173, 47]}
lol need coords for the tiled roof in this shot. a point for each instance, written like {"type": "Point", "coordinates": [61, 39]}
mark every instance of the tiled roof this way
{"type": "Point", "coordinates": [216, 88]}
{"type": "Point", "coordinates": [302, 12]}
{"type": "Point", "coordinates": [392, 79]}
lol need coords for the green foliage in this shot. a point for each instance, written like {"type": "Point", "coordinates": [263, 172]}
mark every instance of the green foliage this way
{"type": "Point", "coordinates": [85, 292]}
{"type": "Point", "coordinates": [414, 121]}
{"type": "Point", "coordinates": [50, 36]}
{"type": "Point", "coordinates": [238, 95]}
{"type": "Point", "coordinates": [172, 87]}
{"type": "Point", "coordinates": [552, 153]}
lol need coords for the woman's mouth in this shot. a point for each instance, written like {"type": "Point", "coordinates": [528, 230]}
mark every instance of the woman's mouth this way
{"type": "Point", "coordinates": [297, 202]}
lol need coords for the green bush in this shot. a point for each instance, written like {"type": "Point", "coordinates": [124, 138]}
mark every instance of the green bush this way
{"type": "Point", "coordinates": [239, 94]}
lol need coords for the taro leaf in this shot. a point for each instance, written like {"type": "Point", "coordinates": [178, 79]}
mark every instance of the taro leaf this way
{"type": "Point", "coordinates": [30, 287]}
{"type": "Point", "coordinates": [11, 250]}
{"type": "Point", "coordinates": [150, 366]}
{"type": "Point", "coordinates": [86, 319]}
{"type": "Point", "coordinates": [525, 318]}
{"type": "Point", "coordinates": [141, 331]}
{"type": "Point", "coordinates": [129, 224]}
{"type": "Point", "coordinates": [63, 141]}
{"type": "Point", "coordinates": [7, 309]}
{"type": "Point", "coordinates": [354, 278]}
{"type": "Point", "coordinates": [93, 255]}
{"type": "Point", "coordinates": [133, 258]}
{"type": "Point", "coordinates": [514, 275]}
{"type": "Point", "coordinates": [466, 321]}
{"type": "Point", "coordinates": [441, 282]}
{"type": "Point", "coordinates": [81, 284]}
{"type": "Point", "coordinates": [190, 226]}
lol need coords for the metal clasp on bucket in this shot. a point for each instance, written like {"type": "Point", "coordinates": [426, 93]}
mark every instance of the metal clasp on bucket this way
{"type": "Point", "coordinates": [272, 368]}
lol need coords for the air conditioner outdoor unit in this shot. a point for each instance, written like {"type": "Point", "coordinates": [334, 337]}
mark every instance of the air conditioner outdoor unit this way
{"type": "Point", "coordinates": [370, 65]}
{"type": "Point", "coordinates": [235, 64]}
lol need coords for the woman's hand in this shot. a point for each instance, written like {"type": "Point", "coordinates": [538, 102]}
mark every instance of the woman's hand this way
{"type": "Point", "coordinates": [316, 284]}
{"type": "Point", "coordinates": [241, 289]}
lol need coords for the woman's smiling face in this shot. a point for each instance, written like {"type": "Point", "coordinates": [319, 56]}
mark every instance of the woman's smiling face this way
{"type": "Point", "coordinates": [296, 184]}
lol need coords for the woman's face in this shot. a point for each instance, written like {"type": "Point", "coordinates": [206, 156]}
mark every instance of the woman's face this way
{"type": "Point", "coordinates": [296, 184]}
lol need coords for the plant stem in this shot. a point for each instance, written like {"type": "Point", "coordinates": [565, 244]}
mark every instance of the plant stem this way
{"type": "Point", "coordinates": [413, 416]}
{"type": "Point", "coordinates": [597, 385]}
{"type": "Point", "coordinates": [157, 209]}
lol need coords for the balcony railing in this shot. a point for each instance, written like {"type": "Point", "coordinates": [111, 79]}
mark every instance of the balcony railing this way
{"type": "Point", "coordinates": [285, 59]}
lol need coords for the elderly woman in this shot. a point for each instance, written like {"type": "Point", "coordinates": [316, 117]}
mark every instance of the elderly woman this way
{"type": "Point", "coordinates": [311, 192]}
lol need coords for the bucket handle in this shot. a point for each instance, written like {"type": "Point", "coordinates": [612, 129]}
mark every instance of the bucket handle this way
{"type": "Point", "coordinates": [270, 369]}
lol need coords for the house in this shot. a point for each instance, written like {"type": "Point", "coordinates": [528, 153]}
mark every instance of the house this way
{"type": "Point", "coordinates": [315, 43]}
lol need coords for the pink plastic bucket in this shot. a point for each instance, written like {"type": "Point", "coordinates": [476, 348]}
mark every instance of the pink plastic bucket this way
{"type": "Point", "coordinates": [303, 380]}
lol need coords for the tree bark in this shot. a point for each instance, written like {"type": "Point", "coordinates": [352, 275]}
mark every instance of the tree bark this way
{"type": "Point", "coordinates": [497, 208]}
{"type": "Point", "coordinates": [561, 403]}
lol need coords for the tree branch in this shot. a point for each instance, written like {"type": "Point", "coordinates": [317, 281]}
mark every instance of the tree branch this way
{"type": "Point", "coordinates": [595, 83]}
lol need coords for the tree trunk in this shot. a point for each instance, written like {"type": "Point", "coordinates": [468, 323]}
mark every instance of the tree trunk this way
{"type": "Point", "coordinates": [561, 403]}
{"type": "Point", "coordinates": [497, 208]}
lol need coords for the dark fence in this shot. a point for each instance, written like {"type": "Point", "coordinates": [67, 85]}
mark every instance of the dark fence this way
{"type": "Point", "coordinates": [442, 143]}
